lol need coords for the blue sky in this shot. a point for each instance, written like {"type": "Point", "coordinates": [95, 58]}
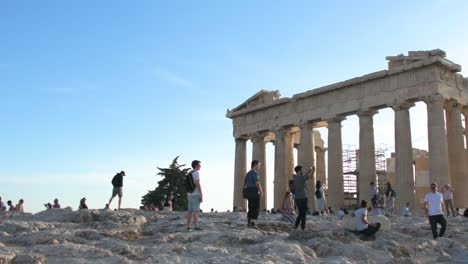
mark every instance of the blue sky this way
{"type": "Point", "coordinates": [90, 88]}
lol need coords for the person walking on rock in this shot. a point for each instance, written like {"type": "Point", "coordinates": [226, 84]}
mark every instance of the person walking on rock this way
{"type": "Point", "coordinates": [117, 183]}
{"type": "Point", "coordinates": [301, 194]}
{"type": "Point", "coordinates": [447, 193]}
{"type": "Point", "coordinates": [434, 204]}
{"type": "Point", "coordinates": [194, 198]}
{"type": "Point", "coordinates": [253, 192]}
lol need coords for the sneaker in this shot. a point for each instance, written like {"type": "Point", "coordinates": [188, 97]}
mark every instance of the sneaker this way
{"type": "Point", "coordinates": [197, 228]}
{"type": "Point", "coordinates": [189, 229]}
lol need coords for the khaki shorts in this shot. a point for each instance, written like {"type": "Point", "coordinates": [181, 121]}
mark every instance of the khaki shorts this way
{"type": "Point", "coordinates": [117, 191]}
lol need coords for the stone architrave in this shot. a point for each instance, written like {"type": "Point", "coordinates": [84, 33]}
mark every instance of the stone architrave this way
{"type": "Point", "coordinates": [240, 170]}
{"type": "Point", "coordinates": [306, 158]}
{"type": "Point", "coordinates": [367, 172]}
{"type": "Point", "coordinates": [438, 151]}
{"type": "Point", "coordinates": [404, 176]}
{"type": "Point", "coordinates": [259, 153]}
{"type": "Point", "coordinates": [335, 164]}
{"type": "Point", "coordinates": [456, 151]}
{"type": "Point", "coordinates": [283, 146]}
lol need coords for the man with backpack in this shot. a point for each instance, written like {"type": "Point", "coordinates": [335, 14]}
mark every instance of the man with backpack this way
{"type": "Point", "coordinates": [117, 183]}
{"type": "Point", "coordinates": [194, 195]}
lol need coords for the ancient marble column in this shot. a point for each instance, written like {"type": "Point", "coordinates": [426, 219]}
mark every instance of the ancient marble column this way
{"type": "Point", "coordinates": [258, 153]}
{"type": "Point", "coordinates": [465, 114]}
{"type": "Point", "coordinates": [306, 158]}
{"type": "Point", "coordinates": [320, 171]}
{"type": "Point", "coordinates": [283, 153]}
{"type": "Point", "coordinates": [456, 152]}
{"type": "Point", "coordinates": [240, 169]}
{"type": "Point", "coordinates": [335, 165]}
{"type": "Point", "coordinates": [404, 176]}
{"type": "Point", "coordinates": [438, 153]}
{"type": "Point", "coordinates": [366, 168]}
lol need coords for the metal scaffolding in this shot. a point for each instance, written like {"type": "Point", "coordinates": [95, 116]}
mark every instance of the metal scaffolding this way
{"type": "Point", "coordinates": [351, 172]}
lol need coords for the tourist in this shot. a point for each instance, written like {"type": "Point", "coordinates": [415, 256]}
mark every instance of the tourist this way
{"type": "Point", "coordinates": [434, 204]}
{"type": "Point", "coordinates": [288, 208]}
{"type": "Point", "coordinates": [363, 226]}
{"type": "Point", "coordinates": [302, 197]}
{"type": "Point", "coordinates": [447, 193]}
{"type": "Point", "coordinates": [168, 204]}
{"type": "Point", "coordinates": [406, 210]}
{"type": "Point", "coordinates": [253, 192]}
{"type": "Point", "coordinates": [319, 197]}
{"type": "Point", "coordinates": [330, 211]}
{"type": "Point", "coordinates": [83, 204]}
{"type": "Point", "coordinates": [2, 205]}
{"type": "Point", "coordinates": [10, 206]}
{"type": "Point", "coordinates": [56, 203]}
{"type": "Point", "coordinates": [194, 198]}
{"type": "Point", "coordinates": [390, 195]}
{"type": "Point", "coordinates": [48, 206]}
{"type": "Point", "coordinates": [340, 214]}
{"type": "Point", "coordinates": [19, 207]}
{"type": "Point", "coordinates": [117, 183]}
{"type": "Point", "coordinates": [107, 207]}
{"type": "Point", "coordinates": [373, 194]}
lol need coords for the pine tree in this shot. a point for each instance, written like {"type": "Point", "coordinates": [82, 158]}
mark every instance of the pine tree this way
{"type": "Point", "coordinates": [172, 183]}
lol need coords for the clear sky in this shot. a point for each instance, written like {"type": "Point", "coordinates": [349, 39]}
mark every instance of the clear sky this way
{"type": "Point", "coordinates": [89, 88]}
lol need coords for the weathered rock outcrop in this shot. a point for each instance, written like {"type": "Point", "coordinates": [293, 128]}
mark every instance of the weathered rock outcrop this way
{"type": "Point", "coordinates": [132, 236]}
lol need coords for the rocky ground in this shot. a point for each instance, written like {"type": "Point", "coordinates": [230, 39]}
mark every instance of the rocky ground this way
{"type": "Point", "coordinates": [132, 236]}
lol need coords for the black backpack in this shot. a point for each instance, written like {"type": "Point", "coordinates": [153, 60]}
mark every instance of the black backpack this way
{"type": "Point", "coordinates": [114, 180]}
{"type": "Point", "coordinates": [189, 183]}
{"type": "Point", "coordinates": [318, 194]}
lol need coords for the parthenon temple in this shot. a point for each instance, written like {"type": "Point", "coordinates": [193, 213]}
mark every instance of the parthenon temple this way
{"type": "Point", "coordinates": [420, 76]}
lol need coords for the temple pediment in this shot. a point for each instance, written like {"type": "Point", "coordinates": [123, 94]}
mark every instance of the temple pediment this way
{"type": "Point", "coordinates": [260, 98]}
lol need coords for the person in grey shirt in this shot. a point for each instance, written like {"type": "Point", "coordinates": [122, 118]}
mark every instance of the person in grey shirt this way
{"type": "Point", "coordinates": [301, 196]}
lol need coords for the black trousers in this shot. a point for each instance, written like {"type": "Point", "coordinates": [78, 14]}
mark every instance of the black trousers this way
{"type": "Point", "coordinates": [302, 206]}
{"type": "Point", "coordinates": [254, 206]}
{"type": "Point", "coordinates": [371, 230]}
{"type": "Point", "coordinates": [434, 219]}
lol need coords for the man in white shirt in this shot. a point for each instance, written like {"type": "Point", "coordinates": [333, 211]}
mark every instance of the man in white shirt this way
{"type": "Point", "coordinates": [365, 227]}
{"type": "Point", "coordinates": [194, 198]}
{"type": "Point", "coordinates": [434, 203]}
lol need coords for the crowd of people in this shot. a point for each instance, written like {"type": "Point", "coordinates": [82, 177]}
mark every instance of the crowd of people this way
{"type": "Point", "coordinates": [10, 207]}
{"type": "Point", "coordinates": [294, 208]}
{"type": "Point", "coordinates": [295, 203]}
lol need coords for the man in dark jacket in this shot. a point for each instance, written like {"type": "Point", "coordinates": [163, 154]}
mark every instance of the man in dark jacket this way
{"type": "Point", "coordinates": [117, 183]}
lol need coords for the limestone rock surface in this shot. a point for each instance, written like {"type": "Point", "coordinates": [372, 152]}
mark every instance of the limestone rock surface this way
{"type": "Point", "coordinates": [132, 236]}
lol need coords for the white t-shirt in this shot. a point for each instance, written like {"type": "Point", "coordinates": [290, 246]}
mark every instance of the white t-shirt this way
{"type": "Point", "coordinates": [196, 178]}
{"type": "Point", "coordinates": [434, 201]}
{"type": "Point", "coordinates": [358, 214]}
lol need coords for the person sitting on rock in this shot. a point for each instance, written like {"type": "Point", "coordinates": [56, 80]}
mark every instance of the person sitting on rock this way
{"type": "Point", "coordinates": [363, 226]}
{"type": "Point", "coordinates": [288, 208]}
{"type": "Point", "coordinates": [56, 203]}
{"type": "Point", "coordinates": [10, 206]}
{"type": "Point", "coordinates": [2, 205]}
{"type": "Point", "coordinates": [19, 206]}
{"type": "Point", "coordinates": [406, 210]}
{"type": "Point", "coordinates": [83, 204]}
